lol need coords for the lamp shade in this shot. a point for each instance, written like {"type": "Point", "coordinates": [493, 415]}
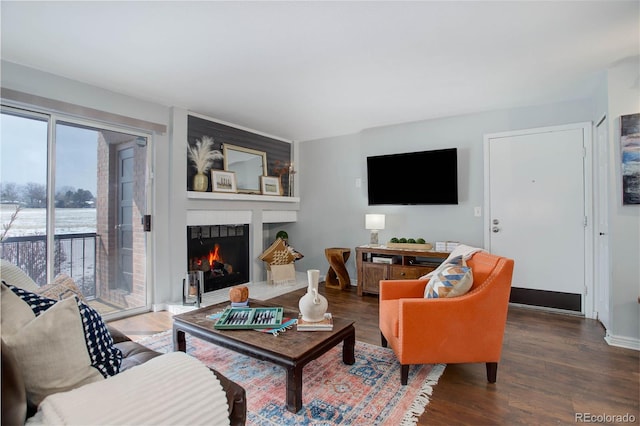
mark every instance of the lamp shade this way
{"type": "Point", "coordinates": [374, 221]}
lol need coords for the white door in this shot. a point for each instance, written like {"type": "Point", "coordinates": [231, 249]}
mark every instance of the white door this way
{"type": "Point", "coordinates": [602, 218]}
{"type": "Point", "coordinates": [536, 206]}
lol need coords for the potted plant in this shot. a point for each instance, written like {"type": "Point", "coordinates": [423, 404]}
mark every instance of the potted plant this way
{"type": "Point", "coordinates": [202, 155]}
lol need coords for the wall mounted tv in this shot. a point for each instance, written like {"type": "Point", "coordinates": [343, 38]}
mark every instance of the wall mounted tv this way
{"type": "Point", "coordinates": [425, 177]}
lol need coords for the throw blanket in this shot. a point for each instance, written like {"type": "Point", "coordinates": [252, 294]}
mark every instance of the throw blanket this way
{"type": "Point", "coordinates": [283, 274]}
{"type": "Point", "coordinates": [172, 389]}
{"type": "Point", "coordinates": [461, 250]}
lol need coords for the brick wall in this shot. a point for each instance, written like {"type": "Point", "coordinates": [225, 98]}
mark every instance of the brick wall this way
{"type": "Point", "coordinates": [107, 220]}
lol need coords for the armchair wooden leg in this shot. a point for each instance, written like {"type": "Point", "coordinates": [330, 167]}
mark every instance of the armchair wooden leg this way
{"type": "Point", "coordinates": [492, 372]}
{"type": "Point", "coordinates": [383, 340]}
{"type": "Point", "coordinates": [404, 374]}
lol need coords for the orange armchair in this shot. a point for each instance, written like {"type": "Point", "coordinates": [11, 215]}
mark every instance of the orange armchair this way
{"type": "Point", "coordinates": [463, 329]}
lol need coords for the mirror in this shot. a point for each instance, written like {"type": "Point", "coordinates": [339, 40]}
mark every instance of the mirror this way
{"type": "Point", "coordinates": [248, 165]}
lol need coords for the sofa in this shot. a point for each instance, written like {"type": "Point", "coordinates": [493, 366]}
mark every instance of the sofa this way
{"type": "Point", "coordinates": [17, 406]}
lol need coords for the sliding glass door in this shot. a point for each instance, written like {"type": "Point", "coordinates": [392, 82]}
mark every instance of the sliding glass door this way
{"type": "Point", "coordinates": [93, 197]}
{"type": "Point", "coordinates": [23, 191]}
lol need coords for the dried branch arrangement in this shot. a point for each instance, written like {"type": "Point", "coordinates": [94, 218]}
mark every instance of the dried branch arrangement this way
{"type": "Point", "coordinates": [202, 154]}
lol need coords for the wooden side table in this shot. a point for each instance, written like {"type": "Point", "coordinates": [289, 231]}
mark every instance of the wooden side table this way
{"type": "Point", "coordinates": [337, 275]}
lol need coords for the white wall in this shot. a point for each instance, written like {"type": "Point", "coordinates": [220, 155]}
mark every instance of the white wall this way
{"type": "Point", "coordinates": [170, 201]}
{"type": "Point", "coordinates": [333, 209]}
{"type": "Point", "coordinates": [31, 81]}
{"type": "Point", "coordinates": [623, 81]}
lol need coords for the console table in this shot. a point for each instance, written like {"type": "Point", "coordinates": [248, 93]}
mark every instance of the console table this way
{"type": "Point", "coordinates": [381, 263]}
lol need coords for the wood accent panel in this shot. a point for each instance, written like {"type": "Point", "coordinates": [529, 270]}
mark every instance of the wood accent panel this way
{"type": "Point", "coordinates": [278, 152]}
{"type": "Point", "coordinates": [371, 276]}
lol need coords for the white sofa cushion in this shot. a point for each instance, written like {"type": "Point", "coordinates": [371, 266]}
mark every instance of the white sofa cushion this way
{"type": "Point", "coordinates": [16, 276]}
{"type": "Point", "coordinates": [172, 389]}
{"type": "Point", "coordinates": [50, 350]}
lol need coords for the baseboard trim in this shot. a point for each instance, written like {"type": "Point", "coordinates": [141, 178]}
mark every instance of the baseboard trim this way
{"type": "Point", "coordinates": [623, 342]}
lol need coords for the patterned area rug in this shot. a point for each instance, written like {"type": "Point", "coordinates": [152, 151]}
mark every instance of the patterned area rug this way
{"type": "Point", "coordinates": [368, 392]}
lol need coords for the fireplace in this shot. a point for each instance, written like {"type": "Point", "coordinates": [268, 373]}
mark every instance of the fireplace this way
{"type": "Point", "coordinates": [221, 252]}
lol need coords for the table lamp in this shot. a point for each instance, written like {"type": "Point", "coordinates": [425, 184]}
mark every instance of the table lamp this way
{"type": "Point", "coordinates": [375, 223]}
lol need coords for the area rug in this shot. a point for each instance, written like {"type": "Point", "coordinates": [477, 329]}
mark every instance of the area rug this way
{"type": "Point", "coordinates": [368, 392]}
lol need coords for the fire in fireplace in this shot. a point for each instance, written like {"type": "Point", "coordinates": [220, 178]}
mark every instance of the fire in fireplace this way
{"type": "Point", "coordinates": [221, 252]}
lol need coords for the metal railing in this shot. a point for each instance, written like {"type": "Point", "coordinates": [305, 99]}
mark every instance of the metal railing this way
{"type": "Point", "coordinates": [74, 255]}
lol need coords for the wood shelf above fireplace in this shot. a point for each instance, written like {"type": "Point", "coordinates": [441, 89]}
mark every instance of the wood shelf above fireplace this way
{"type": "Point", "coordinates": [194, 195]}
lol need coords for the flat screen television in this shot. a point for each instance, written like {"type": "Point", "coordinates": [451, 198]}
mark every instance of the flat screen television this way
{"type": "Point", "coordinates": [425, 177]}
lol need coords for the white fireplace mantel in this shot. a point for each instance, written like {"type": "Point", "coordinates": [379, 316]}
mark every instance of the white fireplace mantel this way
{"type": "Point", "coordinates": [194, 195]}
{"type": "Point", "coordinates": [255, 210]}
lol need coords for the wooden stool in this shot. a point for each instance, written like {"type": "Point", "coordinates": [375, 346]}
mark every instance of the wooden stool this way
{"type": "Point", "coordinates": [337, 276]}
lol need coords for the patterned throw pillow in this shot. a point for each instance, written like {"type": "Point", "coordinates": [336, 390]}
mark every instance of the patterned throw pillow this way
{"type": "Point", "coordinates": [50, 349]}
{"type": "Point", "coordinates": [277, 254]}
{"type": "Point", "coordinates": [450, 280]}
{"type": "Point", "coordinates": [63, 286]}
{"type": "Point", "coordinates": [104, 355]}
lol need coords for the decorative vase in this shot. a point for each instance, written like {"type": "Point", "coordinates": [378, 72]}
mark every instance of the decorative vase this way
{"type": "Point", "coordinates": [313, 305]}
{"type": "Point", "coordinates": [200, 182]}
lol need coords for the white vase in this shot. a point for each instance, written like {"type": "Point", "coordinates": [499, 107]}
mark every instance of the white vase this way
{"type": "Point", "coordinates": [313, 305]}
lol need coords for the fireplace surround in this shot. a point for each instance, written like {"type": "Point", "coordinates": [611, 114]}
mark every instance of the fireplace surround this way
{"type": "Point", "coordinates": [221, 252]}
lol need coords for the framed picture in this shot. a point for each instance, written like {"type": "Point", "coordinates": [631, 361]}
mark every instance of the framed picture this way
{"type": "Point", "coordinates": [630, 150]}
{"type": "Point", "coordinates": [270, 185]}
{"type": "Point", "coordinates": [223, 181]}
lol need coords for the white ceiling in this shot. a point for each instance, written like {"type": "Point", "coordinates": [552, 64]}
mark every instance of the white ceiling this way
{"type": "Point", "coordinates": [307, 70]}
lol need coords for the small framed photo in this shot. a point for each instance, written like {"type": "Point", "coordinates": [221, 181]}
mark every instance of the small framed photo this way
{"type": "Point", "coordinates": [270, 185]}
{"type": "Point", "coordinates": [223, 181]}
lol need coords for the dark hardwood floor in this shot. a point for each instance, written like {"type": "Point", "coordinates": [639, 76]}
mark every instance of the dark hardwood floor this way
{"type": "Point", "coordinates": [553, 367]}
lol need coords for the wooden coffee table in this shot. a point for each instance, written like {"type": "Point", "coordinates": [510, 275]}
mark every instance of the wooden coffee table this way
{"type": "Point", "coordinates": [291, 350]}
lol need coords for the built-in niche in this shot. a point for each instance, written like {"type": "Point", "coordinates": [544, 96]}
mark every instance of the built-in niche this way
{"type": "Point", "coordinates": [278, 152]}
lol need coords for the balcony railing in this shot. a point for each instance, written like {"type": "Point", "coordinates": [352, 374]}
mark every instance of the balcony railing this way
{"type": "Point", "coordinates": [74, 255]}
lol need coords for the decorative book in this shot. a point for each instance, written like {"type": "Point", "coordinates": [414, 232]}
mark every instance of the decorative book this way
{"type": "Point", "coordinates": [324, 325]}
{"type": "Point", "coordinates": [249, 318]}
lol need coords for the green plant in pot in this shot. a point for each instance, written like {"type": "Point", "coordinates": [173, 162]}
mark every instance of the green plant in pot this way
{"type": "Point", "coordinates": [283, 236]}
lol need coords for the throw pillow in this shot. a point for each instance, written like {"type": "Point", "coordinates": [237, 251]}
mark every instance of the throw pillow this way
{"type": "Point", "coordinates": [16, 276]}
{"type": "Point", "coordinates": [277, 254]}
{"type": "Point", "coordinates": [63, 286]}
{"type": "Point", "coordinates": [99, 343]}
{"type": "Point", "coordinates": [15, 313]}
{"type": "Point", "coordinates": [450, 280]}
{"type": "Point", "coordinates": [51, 352]}
{"type": "Point", "coordinates": [453, 261]}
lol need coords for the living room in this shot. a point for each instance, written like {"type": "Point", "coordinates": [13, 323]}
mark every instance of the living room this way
{"type": "Point", "coordinates": [331, 207]}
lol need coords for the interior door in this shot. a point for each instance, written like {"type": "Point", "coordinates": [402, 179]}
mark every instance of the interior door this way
{"type": "Point", "coordinates": [124, 227]}
{"type": "Point", "coordinates": [536, 209]}
{"type": "Point", "coordinates": [602, 215]}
